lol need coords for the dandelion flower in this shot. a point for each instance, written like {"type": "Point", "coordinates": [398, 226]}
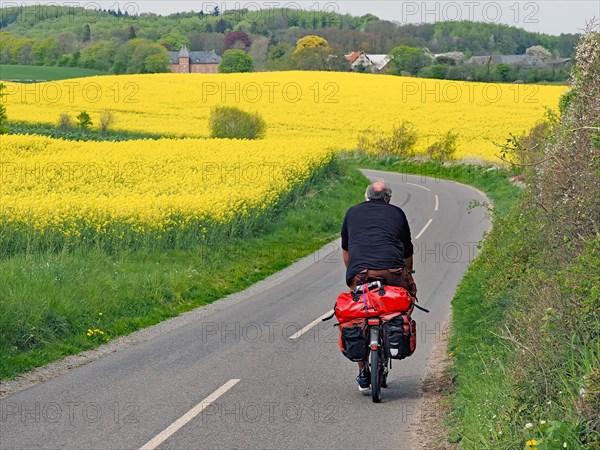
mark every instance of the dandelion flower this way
{"type": "Point", "coordinates": [531, 443]}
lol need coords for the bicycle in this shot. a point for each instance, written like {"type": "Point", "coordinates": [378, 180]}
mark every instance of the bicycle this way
{"type": "Point", "coordinates": [381, 341]}
{"type": "Point", "coordinates": [377, 356]}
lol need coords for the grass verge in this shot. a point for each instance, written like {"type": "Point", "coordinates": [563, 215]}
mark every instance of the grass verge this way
{"type": "Point", "coordinates": [525, 333]}
{"type": "Point", "coordinates": [56, 304]}
{"type": "Point", "coordinates": [525, 327]}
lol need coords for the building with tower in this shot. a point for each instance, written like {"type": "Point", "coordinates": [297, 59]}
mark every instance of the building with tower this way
{"type": "Point", "coordinates": [185, 61]}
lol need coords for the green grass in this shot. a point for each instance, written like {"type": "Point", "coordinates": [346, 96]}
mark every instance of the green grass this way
{"type": "Point", "coordinates": [77, 133]}
{"type": "Point", "coordinates": [50, 299]}
{"type": "Point", "coordinates": [43, 73]}
{"type": "Point", "coordinates": [522, 335]}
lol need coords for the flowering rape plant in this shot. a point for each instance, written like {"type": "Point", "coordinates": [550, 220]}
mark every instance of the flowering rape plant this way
{"type": "Point", "coordinates": [335, 106]}
{"type": "Point", "coordinates": [83, 190]}
{"type": "Point", "coordinates": [170, 189]}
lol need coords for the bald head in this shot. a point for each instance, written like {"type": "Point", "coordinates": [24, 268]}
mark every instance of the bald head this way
{"type": "Point", "coordinates": [378, 186]}
{"type": "Point", "coordinates": [379, 191]}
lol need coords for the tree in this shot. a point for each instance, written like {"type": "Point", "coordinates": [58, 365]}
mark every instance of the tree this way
{"type": "Point", "coordinates": [75, 56]}
{"type": "Point", "coordinates": [280, 56]}
{"type": "Point", "coordinates": [312, 53]}
{"type": "Point", "coordinates": [438, 71]}
{"type": "Point", "coordinates": [216, 12]}
{"type": "Point", "coordinates": [504, 71]}
{"type": "Point", "coordinates": [156, 63]}
{"type": "Point", "coordinates": [258, 50]}
{"type": "Point", "coordinates": [46, 52]}
{"type": "Point", "coordinates": [311, 43]}
{"type": "Point", "coordinates": [408, 59]}
{"type": "Point", "coordinates": [539, 54]}
{"type": "Point", "coordinates": [148, 57]}
{"type": "Point", "coordinates": [313, 59]}
{"type": "Point", "coordinates": [207, 41]}
{"type": "Point", "coordinates": [99, 56]}
{"type": "Point", "coordinates": [364, 20]}
{"type": "Point", "coordinates": [140, 56]}
{"type": "Point", "coordinates": [106, 120]}
{"type": "Point", "coordinates": [222, 26]}
{"type": "Point", "coordinates": [132, 33]}
{"type": "Point", "coordinates": [84, 120]}
{"type": "Point", "coordinates": [87, 33]}
{"type": "Point", "coordinates": [22, 52]}
{"type": "Point", "coordinates": [67, 42]}
{"type": "Point", "coordinates": [173, 41]}
{"type": "Point", "coordinates": [238, 40]}
{"type": "Point", "coordinates": [235, 61]}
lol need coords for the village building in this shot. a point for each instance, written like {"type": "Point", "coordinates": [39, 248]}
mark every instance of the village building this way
{"type": "Point", "coordinates": [526, 61]}
{"type": "Point", "coordinates": [368, 62]}
{"type": "Point", "coordinates": [185, 61]}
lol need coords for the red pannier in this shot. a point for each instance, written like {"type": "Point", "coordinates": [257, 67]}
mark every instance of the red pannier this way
{"type": "Point", "coordinates": [373, 303]}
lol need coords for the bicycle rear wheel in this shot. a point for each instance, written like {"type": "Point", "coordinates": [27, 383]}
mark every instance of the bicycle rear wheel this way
{"type": "Point", "coordinates": [384, 373]}
{"type": "Point", "coordinates": [375, 370]}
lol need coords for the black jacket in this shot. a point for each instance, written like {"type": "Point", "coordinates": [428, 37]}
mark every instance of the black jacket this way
{"type": "Point", "coordinates": [377, 236]}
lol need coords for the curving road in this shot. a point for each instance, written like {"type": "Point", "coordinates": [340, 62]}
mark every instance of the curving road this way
{"type": "Point", "coordinates": [259, 370]}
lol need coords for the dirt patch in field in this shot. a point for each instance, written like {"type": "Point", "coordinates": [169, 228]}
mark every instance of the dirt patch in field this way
{"type": "Point", "coordinates": [430, 432]}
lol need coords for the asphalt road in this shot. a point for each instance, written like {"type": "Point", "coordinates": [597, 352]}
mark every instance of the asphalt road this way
{"type": "Point", "coordinates": [242, 376]}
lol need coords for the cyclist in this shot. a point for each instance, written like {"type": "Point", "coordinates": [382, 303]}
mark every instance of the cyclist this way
{"type": "Point", "coordinates": [376, 243]}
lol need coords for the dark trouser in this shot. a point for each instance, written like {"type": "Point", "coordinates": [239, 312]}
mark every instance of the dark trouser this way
{"type": "Point", "coordinates": [393, 277]}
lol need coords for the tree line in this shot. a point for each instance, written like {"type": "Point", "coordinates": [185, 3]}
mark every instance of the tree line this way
{"type": "Point", "coordinates": [126, 42]}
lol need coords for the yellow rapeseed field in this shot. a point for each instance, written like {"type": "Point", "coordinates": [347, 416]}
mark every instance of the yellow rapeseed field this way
{"type": "Point", "coordinates": [67, 188]}
{"type": "Point", "coordinates": [52, 185]}
{"type": "Point", "coordinates": [336, 106]}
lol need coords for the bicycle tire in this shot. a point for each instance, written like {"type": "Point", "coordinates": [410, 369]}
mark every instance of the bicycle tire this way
{"type": "Point", "coordinates": [375, 369]}
{"type": "Point", "coordinates": [384, 375]}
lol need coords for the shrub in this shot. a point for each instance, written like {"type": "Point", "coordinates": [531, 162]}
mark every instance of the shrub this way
{"type": "Point", "coordinates": [236, 61]}
{"type": "Point", "coordinates": [64, 122]}
{"type": "Point", "coordinates": [106, 119]}
{"type": "Point", "coordinates": [566, 100]}
{"type": "Point", "coordinates": [528, 149]}
{"type": "Point", "coordinates": [234, 123]}
{"type": "Point", "coordinates": [444, 149]}
{"type": "Point", "coordinates": [400, 142]}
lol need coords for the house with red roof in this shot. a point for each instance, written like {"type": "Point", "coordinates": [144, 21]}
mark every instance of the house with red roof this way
{"type": "Point", "coordinates": [373, 63]}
